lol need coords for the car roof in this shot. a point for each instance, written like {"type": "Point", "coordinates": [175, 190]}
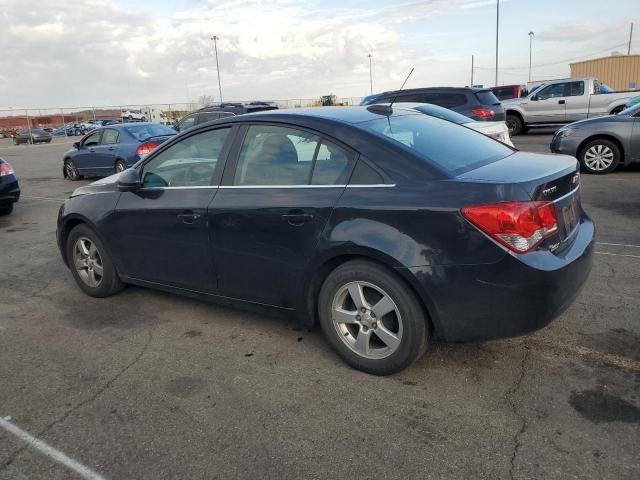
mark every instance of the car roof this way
{"type": "Point", "coordinates": [433, 89]}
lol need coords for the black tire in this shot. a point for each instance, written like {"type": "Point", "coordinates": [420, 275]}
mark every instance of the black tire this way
{"type": "Point", "coordinates": [130, 118]}
{"type": "Point", "coordinates": [617, 110]}
{"type": "Point", "coordinates": [109, 282]}
{"type": "Point", "coordinates": [6, 209]}
{"type": "Point", "coordinates": [143, 119]}
{"type": "Point", "coordinates": [71, 173]}
{"type": "Point", "coordinates": [412, 317]}
{"type": "Point", "coordinates": [15, 141]}
{"type": "Point", "coordinates": [514, 124]}
{"type": "Point", "coordinates": [607, 148]}
{"type": "Point", "coordinates": [120, 166]}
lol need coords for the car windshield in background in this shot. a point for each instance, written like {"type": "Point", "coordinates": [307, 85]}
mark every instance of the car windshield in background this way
{"type": "Point", "coordinates": [487, 97]}
{"type": "Point", "coordinates": [37, 130]}
{"type": "Point", "coordinates": [443, 113]}
{"type": "Point", "coordinates": [149, 130]}
{"type": "Point", "coordinates": [451, 147]}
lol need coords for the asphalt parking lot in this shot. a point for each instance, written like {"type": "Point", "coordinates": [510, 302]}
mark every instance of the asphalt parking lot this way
{"type": "Point", "coordinates": [148, 385]}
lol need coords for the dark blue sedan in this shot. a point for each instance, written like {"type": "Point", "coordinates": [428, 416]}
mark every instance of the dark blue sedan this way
{"type": "Point", "coordinates": [9, 188]}
{"type": "Point", "coordinates": [113, 148]}
{"type": "Point", "coordinates": [386, 226]}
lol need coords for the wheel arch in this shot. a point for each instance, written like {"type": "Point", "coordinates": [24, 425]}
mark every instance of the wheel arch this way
{"type": "Point", "coordinates": [322, 268]}
{"type": "Point", "coordinates": [517, 113]}
{"type": "Point", "coordinates": [602, 136]}
{"type": "Point", "coordinates": [68, 224]}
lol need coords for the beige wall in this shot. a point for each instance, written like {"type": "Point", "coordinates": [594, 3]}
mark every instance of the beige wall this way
{"type": "Point", "coordinates": [616, 71]}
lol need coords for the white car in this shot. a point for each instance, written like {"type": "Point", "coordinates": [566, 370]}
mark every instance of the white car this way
{"type": "Point", "coordinates": [497, 130]}
{"type": "Point", "coordinates": [132, 114]}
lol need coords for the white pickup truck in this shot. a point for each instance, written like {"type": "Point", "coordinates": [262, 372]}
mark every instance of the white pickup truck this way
{"type": "Point", "coordinates": [563, 101]}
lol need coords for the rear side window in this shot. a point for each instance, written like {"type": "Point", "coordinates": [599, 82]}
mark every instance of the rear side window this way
{"type": "Point", "coordinates": [446, 100]}
{"type": "Point", "coordinates": [109, 136]}
{"type": "Point", "coordinates": [486, 97]}
{"type": "Point", "coordinates": [332, 165]}
{"type": "Point", "coordinates": [575, 89]}
{"type": "Point", "coordinates": [451, 147]}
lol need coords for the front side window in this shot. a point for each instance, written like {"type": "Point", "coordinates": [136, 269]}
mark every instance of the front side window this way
{"type": "Point", "coordinates": [109, 136]}
{"type": "Point", "coordinates": [187, 122]}
{"type": "Point", "coordinates": [188, 163]}
{"type": "Point", "coordinates": [453, 148]}
{"type": "Point", "coordinates": [552, 91]}
{"type": "Point", "coordinates": [93, 139]}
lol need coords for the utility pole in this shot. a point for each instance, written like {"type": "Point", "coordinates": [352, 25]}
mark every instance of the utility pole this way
{"type": "Point", "coordinates": [471, 84]}
{"type": "Point", "coordinates": [497, 26]}
{"type": "Point", "coordinates": [530, 44]}
{"type": "Point", "coordinates": [215, 46]}
{"type": "Point", "coordinates": [370, 76]}
{"type": "Point", "coordinates": [630, 37]}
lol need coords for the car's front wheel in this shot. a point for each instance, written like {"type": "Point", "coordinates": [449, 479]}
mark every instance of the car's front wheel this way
{"type": "Point", "coordinates": [514, 124]}
{"type": "Point", "coordinates": [600, 156]}
{"type": "Point", "coordinates": [91, 265]}
{"type": "Point", "coordinates": [120, 166]}
{"type": "Point", "coordinates": [371, 318]}
{"type": "Point", "coordinates": [6, 209]}
{"type": "Point", "coordinates": [70, 170]}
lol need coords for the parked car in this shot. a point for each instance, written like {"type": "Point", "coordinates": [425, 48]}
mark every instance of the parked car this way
{"type": "Point", "coordinates": [34, 135]}
{"type": "Point", "coordinates": [390, 228]}
{"type": "Point", "coordinates": [9, 188]}
{"type": "Point", "coordinates": [200, 116]}
{"type": "Point", "coordinates": [564, 101]}
{"type": "Point", "coordinates": [602, 143]}
{"type": "Point", "coordinates": [113, 149]}
{"type": "Point", "coordinates": [507, 92]}
{"type": "Point", "coordinates": [634, 101]}
{"type": "Point", "coordinates": [131, 114]}
{"type": "Point", "coordinates": [477, 103]}
{"type": "Point", "coordinates": [496, 130]}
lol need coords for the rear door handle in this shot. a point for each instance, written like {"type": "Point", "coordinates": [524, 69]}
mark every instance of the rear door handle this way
{"type": "Point", "coordinates": [189, 218]}
{"type": "Point", "coordinates": [297, 217]}
{"type": "Point", "coordinates": [561, 102]}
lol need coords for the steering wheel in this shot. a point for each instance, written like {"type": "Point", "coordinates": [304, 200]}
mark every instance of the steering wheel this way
{"type": "Point", "coordinates": [193, 175]}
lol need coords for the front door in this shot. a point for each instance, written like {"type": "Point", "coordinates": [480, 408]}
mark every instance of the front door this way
{"type": "Point", "coordinates": [277, 195]}
{"type": "Point", "coordinates": [86, 160]}
{"type": "Point", "coordinates": [550, 106]}
{"type": "Point", "coordinates": [162, 228]}
{"type": "Point", "coordinates": [107, 151]}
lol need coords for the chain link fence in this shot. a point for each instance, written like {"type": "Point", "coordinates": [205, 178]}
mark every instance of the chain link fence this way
{"type": "Point", "coordinates": [76, 120]}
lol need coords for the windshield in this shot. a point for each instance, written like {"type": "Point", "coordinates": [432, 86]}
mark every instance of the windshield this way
{"type": "Point", "coordinates": [443, 113]}
{"type": "Point", "coordinates": [451, 147]}
{"type": "Point", "coordinates": [148, 130]}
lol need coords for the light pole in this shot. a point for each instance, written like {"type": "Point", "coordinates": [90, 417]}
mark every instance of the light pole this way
{"type": "Point", "coordinates": [497, 27]}
{"type": "Point", "coordinates": [370, 76]}
{"type": "Point", "coordinates": [530, 43]}
{"type": "Point", "coordinates": [215, 46]}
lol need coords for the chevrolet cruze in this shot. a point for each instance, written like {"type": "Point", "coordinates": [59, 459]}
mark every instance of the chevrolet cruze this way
{"type": "Point", "coordinates": [388, 227]}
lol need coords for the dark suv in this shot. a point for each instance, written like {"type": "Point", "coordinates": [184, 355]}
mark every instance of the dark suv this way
{"type": "Point", "coordinates": [476, 103]}
{"type": "Point", "coordinates": [208, 114]}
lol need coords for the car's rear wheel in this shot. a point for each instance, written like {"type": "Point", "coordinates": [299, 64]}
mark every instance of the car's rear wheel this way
{"type": "Point", "coordinates": [91, 265]}
{"type": "Point", "coordinates": [70, 170]}
{"type": "Point", "coordinates": [514, 124]}
{"type": "Point", "coordinates": [6, 209]}
{"type": "Point", "coordinates": [600, 156]}
{"type": "Point", "coordinates": [120, 166]}
{"type": "Point", "coordinates": [371, 319]}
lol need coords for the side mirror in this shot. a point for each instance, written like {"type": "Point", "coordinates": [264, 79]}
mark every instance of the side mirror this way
{"type": "Point", "coordinates": [76, 145]}
{"type": "Point", "coordinates": [129, 180]}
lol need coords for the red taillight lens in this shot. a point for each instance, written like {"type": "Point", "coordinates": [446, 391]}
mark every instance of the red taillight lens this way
{"type": "Point", "coordinates": [145, 149]}
{"type": "Point", "coordinates": [519, 226]}
{"type": "Point", "coordinates": [5, 169]}
{"type": "Point", "coordinates": [483, 112]}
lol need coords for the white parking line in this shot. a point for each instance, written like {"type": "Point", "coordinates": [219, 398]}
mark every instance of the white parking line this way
{"type": "Point", "coordinates": [47, 199]}
{"type": "Point", "coordinates": [617, 254]}
{"type": "Point", "coordinates": [618, 244]}
{"type": "Point", "coordinates": [50, 452]}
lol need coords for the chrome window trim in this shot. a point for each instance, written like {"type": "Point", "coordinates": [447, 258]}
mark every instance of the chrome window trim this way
{"type": "Point", "coordinates": [381, 185]}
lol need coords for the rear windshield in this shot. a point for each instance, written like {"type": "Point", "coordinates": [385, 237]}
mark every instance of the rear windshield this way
{"type": "Point", "coordinates": [486, 97]}
{"type": "Point", "coordinates": [37, 130]}
{"type": "Point", "coordinates": [146, 131]}
{"type": "Point", "coordinates": [444, 113]}
{"type": "Point", "coordinates": [451, 147]}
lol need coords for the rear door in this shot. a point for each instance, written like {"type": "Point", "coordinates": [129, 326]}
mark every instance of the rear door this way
{"type": "Point", "coordinates": [550, 105]}
{"type": "Point", "coordinates": [576, 105]}
{"type": "Point", "coordinates": [161, 230]}
{"type": "Point", "coordinates": [277, 195]}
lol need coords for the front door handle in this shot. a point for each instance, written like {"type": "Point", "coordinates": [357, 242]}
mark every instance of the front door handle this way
{"type": "Point", "coordinates": [297, 217]}
{"type": "Point", "coordinates": [111, 148]}
{"type": "Point", "coordinates": [189, 218]}
{"type": "Point", "coordinates": [91, 150]}
{"type": "Point", "coordinates": [561, 102]}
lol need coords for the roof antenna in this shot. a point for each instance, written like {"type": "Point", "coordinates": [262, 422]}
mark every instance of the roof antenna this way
{"type": "Point", "coordinates": [386, 109]}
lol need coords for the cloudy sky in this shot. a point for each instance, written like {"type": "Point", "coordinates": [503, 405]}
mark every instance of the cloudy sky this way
{"type": "Point", "coordinates": [111, 52]}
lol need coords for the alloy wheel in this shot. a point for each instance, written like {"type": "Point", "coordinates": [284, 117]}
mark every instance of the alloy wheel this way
{"type": "Point", "coordinates": [120, 167]}
{"type": "Point", "coordinates": [598, 157]}
{"type": "Point", "coordinates": [87, 262]}
{"type": "Point", "coordinates": [367, 320]}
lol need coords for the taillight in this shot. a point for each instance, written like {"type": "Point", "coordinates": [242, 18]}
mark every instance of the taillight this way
{"type": "Point", "coordinates": [483, 112]}
{"type": "Point", "coordinates": [145, 149]}
{"type": "Point", "coordinates": [519, 226]}
{"type": "Point", "coordinates": [5, 169]}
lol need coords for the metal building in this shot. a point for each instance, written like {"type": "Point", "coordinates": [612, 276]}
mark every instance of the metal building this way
{"type": "Point", "coordinates": [620, 72]}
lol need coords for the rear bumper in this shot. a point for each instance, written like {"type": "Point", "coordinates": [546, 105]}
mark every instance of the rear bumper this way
{"type": "Point", "coordinates": [9, 191]}
{"type": "Point", "coordinates": [512, 297]}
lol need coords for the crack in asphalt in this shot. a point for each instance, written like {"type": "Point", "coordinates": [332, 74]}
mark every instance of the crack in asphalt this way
{"type": "Point", "coordinates": [83, 403]}
{"type": "Point", "coordinates": [514, 408]}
